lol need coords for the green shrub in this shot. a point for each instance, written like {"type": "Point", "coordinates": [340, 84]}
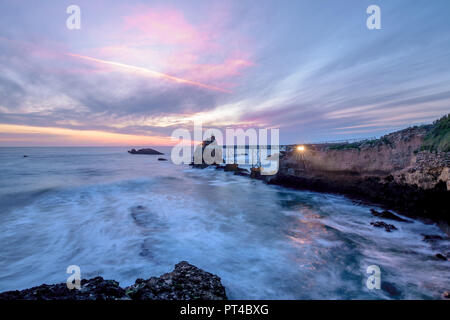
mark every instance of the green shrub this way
{"type": "Point", "coordinates": [438, 139]}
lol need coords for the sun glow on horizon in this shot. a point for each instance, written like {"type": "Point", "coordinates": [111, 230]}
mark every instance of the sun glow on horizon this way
{"type": "Point", "coordinates": [62, 136]}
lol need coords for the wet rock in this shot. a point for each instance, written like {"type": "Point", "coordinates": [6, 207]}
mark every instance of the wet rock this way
{"type": "Point", "coordinates": [92, 289]}
{"type": "Point", "coordinates": [186, 282]}
{"type": "Point", "coordinates": [241, 172]}
{"type": "Point", "coordinates": [162, 159]}
{"type": "Point", "coordinates": [431, 238]}
{"type": "Point", "coordinates": [390, 289]}
{"type": "Point", "coordinates": [199, 166]}
{"type": "Point", "coordinates": [381, 224]}
{"type": "Point", "coordinates": [141, 215]}
{"type": "Point", "coordinates": [144, 151]}
{"type": "Point", "coordinates": [388, 215]}
{"type": "Point", "coordinates": [255, 173]}
{"type": "Point", "coordinates": [231, 167]}
{"type": "Point", "coordinates": [441, 257]}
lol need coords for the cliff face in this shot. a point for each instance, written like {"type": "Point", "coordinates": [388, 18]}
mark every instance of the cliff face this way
{"type": "Point", "coordinates": [395, 156]}
{"type": "Point", "coordinates": [427, 170]}
{"type": "Point", "coordinates": [395, 170]}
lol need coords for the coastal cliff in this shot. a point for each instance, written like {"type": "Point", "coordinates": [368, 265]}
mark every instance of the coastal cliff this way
{"type": "Point", "coordinates": [407, 170]}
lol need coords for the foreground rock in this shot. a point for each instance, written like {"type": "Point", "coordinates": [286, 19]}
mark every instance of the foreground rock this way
{"type": "Point", "coordinates": [145, 151]}
{"type": "Point", "coordinates": [390, 289]}
{"type": "Point", "coordinates": [92, 289]}
{"type": "Point", "coordinates": [186, 282]}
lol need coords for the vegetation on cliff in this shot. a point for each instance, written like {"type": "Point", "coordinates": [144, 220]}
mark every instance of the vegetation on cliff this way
{"type": "Point", "coordinates": [438, 139]}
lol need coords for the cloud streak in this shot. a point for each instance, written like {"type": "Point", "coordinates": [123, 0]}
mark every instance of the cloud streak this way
{"type": "Point", "coordinates": [152, 73]}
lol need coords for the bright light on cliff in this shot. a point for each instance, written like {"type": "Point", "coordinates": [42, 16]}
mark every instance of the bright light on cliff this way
{"type": "Point", "coordinates": [301, 148]}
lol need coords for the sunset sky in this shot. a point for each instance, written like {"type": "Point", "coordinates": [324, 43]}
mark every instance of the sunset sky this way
{"type": "Point", "coordinates": [137, 70]}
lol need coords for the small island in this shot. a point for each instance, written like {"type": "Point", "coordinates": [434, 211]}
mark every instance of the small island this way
{"type": "Point", "coordinates": [145, 151]}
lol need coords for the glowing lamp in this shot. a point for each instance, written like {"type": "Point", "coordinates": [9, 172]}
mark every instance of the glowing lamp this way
{"type": "Point", "coordinates": [301, 148]}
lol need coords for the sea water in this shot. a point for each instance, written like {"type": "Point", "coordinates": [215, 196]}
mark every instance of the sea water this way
{"type": "Point", "coordinates": [123, 217]}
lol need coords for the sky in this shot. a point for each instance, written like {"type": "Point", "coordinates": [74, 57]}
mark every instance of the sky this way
{"type": "Point", "coordinates": [137, 70]}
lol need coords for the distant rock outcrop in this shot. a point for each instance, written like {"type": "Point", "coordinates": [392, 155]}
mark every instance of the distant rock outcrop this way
{"type": "Point", "coordinates": [145, 151]}
{"type": "Point", "coordinates": [186, 282]}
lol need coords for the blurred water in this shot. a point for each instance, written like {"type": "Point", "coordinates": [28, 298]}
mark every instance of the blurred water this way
{"type": "Point", "coordinates": [126, 216]}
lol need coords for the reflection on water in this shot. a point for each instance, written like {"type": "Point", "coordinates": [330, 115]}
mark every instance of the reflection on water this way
{"type": "Point", "coordinates": [125, 217]}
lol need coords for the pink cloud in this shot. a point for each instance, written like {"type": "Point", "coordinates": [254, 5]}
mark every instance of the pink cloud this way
{"type": "Point", "coordinates": [166, 26]}
{"type": "Point", "coordinates": [163, 39]}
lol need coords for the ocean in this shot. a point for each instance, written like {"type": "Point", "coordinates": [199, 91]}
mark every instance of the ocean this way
{"type": "Point", "coordinates": [123, 217]}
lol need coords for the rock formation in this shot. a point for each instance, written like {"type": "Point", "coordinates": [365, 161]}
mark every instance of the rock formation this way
{"type": "Point", "coordinates": [145, 151]}
{"type": "Point", "coordinates": [386, 226]}
{"type": "Point", "coordinates": [215, 152]}
{"type": "Point", "coordinates": [186, 282]}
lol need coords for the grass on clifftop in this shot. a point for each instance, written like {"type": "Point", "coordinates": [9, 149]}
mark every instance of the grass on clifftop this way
{"type": "Point", "coordinates": [357, 145]}
{"type": "Point", "coordinates": [438, 139]}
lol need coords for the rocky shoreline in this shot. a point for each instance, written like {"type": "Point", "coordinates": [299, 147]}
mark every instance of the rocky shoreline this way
{"type": "Point", "coordinates": [407, 171]}
{"type": "Point", "coordinates": [396, 171]}
{"type": "Point", "coordinates": [185, 282]}
{"type": "Point", "coordinates": [425, 204]}
{"type": "Point", "coordinates": [428, 205]}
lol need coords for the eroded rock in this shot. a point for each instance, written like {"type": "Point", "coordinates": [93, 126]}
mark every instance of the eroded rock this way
{"type": "Point", "coordinates": [93, 289]}
{"type": "Point", "coordinates": [386, 226]}
{"type": "Point", "coordinates": [186, 282]}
